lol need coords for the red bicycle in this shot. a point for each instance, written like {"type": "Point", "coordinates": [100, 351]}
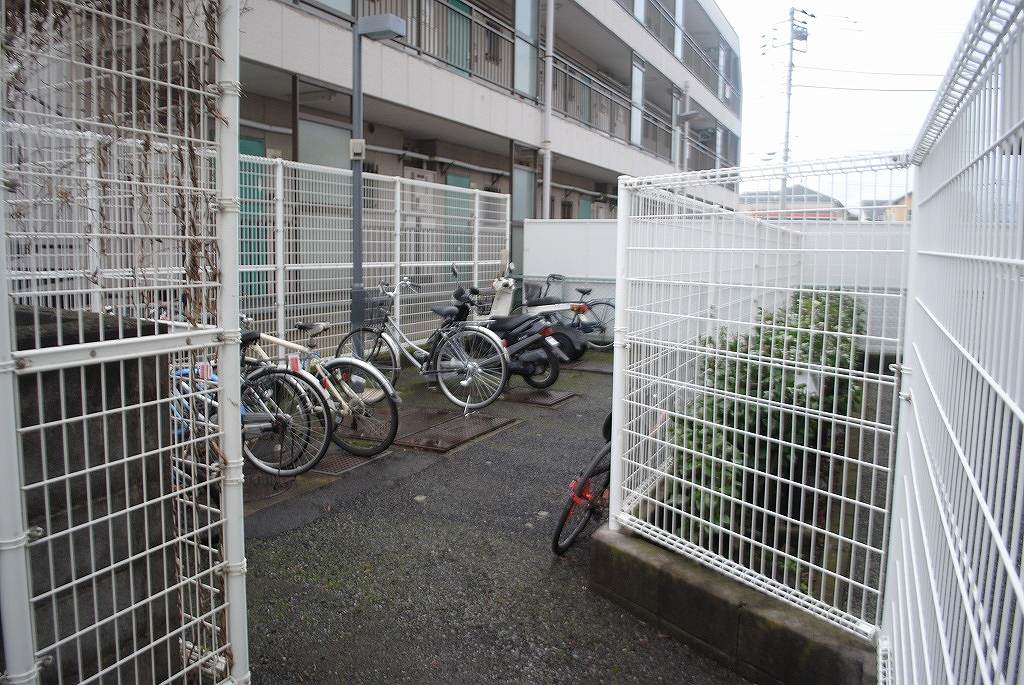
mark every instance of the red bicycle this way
{"type": "Point", "coordinates": [587, 500]}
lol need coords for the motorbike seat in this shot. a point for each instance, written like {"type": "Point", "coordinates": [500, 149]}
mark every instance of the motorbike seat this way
{"type": "Point", "coordinates": [445, 311]}
{"type": "Point", "coordinates": [507, 323]}
{"type": "Point", "coordinates": [584, 291]}
{"type": "Point", "coordinates": [541, 301]}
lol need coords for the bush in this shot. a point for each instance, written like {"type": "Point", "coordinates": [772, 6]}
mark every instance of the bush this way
{"type": "Point", "coordinates": [751, 417]}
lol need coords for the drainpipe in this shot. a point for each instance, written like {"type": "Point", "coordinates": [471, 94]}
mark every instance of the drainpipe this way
{"type": "Point", "coordinates": [549, 64]}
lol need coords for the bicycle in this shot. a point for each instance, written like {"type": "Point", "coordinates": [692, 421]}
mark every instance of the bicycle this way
{"type": "Point", "coordinates": [587, 499]}
{"type": "Point", "coordinates": [468, 362]}
{"type": "Point", "coordinates": [285, 419]}
{"type": "Point", "coordinates": [595, 318]}
{"type": "Point", "coordinates": [363, 406]}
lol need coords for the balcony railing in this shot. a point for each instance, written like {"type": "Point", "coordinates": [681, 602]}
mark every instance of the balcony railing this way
{"type": "Point", "coordinates": [699, 60]}
{"type": "Point", "coordinates": [481, 45]}
{"type": "Point", "coordinates": [580, 96]}
{"type": "Point", "coordinates": [463, 36]}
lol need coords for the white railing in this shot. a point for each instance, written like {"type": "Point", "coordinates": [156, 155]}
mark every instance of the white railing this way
{"type": "Point", "coordinates": [753, 396]}
{"type": "Point", "coordinates": [296, 225]}
{"type": "Point", "coordinates": [954, 596]}
{"type": "Point", "coordinates": [121, 526]}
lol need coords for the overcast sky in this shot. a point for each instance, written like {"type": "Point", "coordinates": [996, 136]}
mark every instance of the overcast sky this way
{"type": "Point", "coordinates": [907, 43]}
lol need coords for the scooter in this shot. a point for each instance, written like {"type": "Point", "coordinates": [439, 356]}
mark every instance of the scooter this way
{"type": "Point", "coordinates": [533, 351]}
{"type": "Point", "coordinates": [571, 342]}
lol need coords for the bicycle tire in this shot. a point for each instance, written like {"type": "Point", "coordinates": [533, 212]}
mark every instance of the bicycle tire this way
{"type": "Point", "coordinates": [300, 416]}
{"type": "Point", "coordinates": [376, 351]}
{"type": "Point", "coordinates": [372, 424]}
{"type": "Point", "coordinates": [476, 361]}
{"type": "Point", "coordinates": [603, 312]}
{"type": "Point", "coordinates": [592, 482]}
{"type": "Point", "coordinates": [547, 379]}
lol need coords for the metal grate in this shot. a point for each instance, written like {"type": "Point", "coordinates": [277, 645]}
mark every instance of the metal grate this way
{"type": "Point", "coordinates": [954, 597]}
{"type": "Point", "coordinates": [754, 398]}
{"type": "Point", "coordinates": [121, 548]}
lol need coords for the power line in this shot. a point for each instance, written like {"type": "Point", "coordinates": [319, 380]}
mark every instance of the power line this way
{"type": "Point", "coordinates": [877, 90]}
{"type": "Point", "coordinates": [870, 73]}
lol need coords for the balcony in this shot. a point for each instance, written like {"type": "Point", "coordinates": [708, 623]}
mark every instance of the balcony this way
{"type": "Point", "coordinates": [481, 44]}
{"type": "Point", "coordinates": [701, 47]}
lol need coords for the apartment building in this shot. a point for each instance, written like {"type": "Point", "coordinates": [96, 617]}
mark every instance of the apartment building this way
{"type": "Point", "coordinates": [637, 87]}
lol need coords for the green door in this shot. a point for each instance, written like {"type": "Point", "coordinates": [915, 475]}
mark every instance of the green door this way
{"type": "Point", "coordinates": [459, 27]}
{"type": "Point", "coordinates": [254, 234]}
{"type": "Point", "coordinates": [585, 212]}
{"type": "Point", "coordinates": [459, 210]}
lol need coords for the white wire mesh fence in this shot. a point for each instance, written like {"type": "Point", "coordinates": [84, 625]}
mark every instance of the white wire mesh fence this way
{"type": "Point", "coordinates": [120, 521]}
{"type": "Point", "coordinates": [296, 231]}
{"type": "Point", "coordinates": [754, 398]}
{"type": "Point", "coordinates": [954, 603]}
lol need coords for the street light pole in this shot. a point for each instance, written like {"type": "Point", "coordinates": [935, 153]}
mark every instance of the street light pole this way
{"type": "Point", "coordinates": [358, 286]}
{"type": "Point", "coordinates": [375, 27]}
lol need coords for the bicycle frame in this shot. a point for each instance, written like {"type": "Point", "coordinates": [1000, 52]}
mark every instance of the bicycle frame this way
{"type": "Point", "coordinates": [392, 334]}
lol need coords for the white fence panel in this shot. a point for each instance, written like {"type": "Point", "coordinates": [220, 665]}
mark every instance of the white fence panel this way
{"type": "Point", "coordinates": [954, 597]}
{"type": "Point", "coordinates": [296, 235]}
{"type": "Point", "coordinates": [121, 541]}
{"type": "Point", "coordinates": [753, 399]}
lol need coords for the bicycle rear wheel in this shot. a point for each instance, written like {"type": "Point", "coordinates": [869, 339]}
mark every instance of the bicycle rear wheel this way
{"type": "Point", "coordinates": [600, 330]}
{"type": "Point", "coordinates": [286, 422]}
{"type": "Point", "coordinates": [472, 368]}
{"type": "Point", "coordinates": [375, 351]}
{"type": "Point", "coordinates": [366, 414]}
{"type": "Point", "coordinates": [586, 501]}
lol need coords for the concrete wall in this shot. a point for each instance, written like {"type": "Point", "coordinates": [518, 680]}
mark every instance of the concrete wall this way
{"type": "Point", "coordinates": [582, 250]}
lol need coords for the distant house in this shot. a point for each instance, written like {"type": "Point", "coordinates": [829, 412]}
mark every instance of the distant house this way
{"type": "Point", "coordinates": [799, 203]}
{"type": "Point", "coordinates": [900, 209]}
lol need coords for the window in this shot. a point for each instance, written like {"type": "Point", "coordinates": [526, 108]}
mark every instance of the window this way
{"type": "Point", "coordinates": [567, 209]}
{"type": "Point", "coordinates": [492, 42]}
{"type": "Point", "coordinates": [324, 144]}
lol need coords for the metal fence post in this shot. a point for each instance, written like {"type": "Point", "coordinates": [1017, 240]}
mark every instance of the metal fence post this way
{"type": "Point", "coordinates": [92, 203]}
{"type": "Point", "coordinates": [228, 362]}
{"type": "Point", "coordinates": [397, 309]}
{"type": "Point", "coordinates": [619, 363]}
{"type": "Point", "coordinates": [279, 255]}
{"type": "Point", "coordinates": [476, 238]}
{"type": "Point", "coordinates": [15, 592]}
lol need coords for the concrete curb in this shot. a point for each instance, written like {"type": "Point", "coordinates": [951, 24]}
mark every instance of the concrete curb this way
{"type": "Point", "coordinates": [760, 637]}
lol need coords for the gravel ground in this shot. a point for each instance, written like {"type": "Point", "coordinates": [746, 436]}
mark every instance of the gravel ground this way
{"type": "Point", "coordinates": [437, 568]}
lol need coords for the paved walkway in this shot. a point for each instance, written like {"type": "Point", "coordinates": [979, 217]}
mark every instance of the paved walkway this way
{"type": "Point", "coordinates": [436, 568]}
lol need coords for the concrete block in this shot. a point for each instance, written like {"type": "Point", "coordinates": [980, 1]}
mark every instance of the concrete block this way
{"type": "Point", "coordinates": [761, 637]}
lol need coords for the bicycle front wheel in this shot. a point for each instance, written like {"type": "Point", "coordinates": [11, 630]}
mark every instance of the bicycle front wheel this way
{"type": "Point", "coordinates": [364, 409]}
{"type": "Point", "coordinates": [286, 422]}
{"type": "Point", "coordinates": [600, 327]}
{"type": "Point", "coordinates": [587, 500]}
{"type": "Point", "coordinates": [375, 350]}
{"type": "Point", "coordinates": [472, 368]}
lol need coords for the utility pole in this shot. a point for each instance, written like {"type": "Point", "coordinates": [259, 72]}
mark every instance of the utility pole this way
{"type": "Point", "coordinates": [797, 32]}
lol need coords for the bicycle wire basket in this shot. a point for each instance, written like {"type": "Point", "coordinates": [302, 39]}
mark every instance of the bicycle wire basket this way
{"type": "Point", "coordinates": [376, 310]}
{"type": "Point", "coordinates": [484, 301]}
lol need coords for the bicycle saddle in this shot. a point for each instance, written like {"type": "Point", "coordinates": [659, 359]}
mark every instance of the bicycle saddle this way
{"type": "Point", "coordinates": [313, 329]}
{"type": "Point", "coordinates": [445, 311]}
{"type": "Point", "coordinates": [584, 291]}
{"type": "Point", "coordinates": [249, 337]}
{"type": "Point", "coordinates": [541, 301]}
